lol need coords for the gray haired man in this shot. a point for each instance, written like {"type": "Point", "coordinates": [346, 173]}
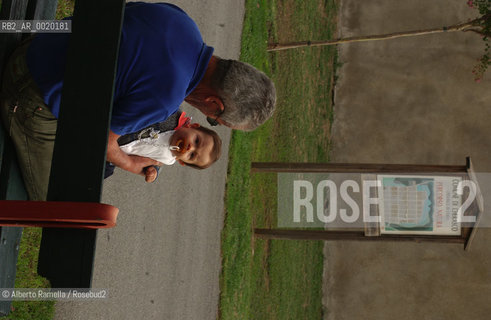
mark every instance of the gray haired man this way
{"type": "Point", "coordinates": [162, 62]}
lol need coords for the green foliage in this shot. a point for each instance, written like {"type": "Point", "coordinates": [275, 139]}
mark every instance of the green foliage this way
{"type": "Point", "coordinates": [65, 8]}
{"type": "Point", "coordinates": [483, 27]}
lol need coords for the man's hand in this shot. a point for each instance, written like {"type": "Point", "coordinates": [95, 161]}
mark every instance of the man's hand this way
{"type": "Point", "coordinates": [151, 173]}
{"type": "Point", "coordinates": [135, 164]}
{"type": "Point", "coordinates": [138, 164]}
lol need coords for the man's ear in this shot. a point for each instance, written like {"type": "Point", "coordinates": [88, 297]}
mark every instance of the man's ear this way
{"type": "Point", "coordinates": [214, 104]}
{"type": "Point", "coordinates": [182, 162]}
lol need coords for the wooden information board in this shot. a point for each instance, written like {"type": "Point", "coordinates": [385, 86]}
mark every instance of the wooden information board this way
{"type": "Point", "coordinates": [414, 202]}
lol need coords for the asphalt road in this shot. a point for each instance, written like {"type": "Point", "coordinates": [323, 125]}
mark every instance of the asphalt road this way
{"type": "Point", "coordinates": [162, 260]}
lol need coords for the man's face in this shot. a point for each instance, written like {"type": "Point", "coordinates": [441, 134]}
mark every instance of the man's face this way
{"type": "Point", "coordinates": [213, 108]}
{"type": "Point", "coordinates": [195, 146]}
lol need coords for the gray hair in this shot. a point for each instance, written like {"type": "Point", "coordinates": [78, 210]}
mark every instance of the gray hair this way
{"type": "Point", "coordinates": [248, 95]}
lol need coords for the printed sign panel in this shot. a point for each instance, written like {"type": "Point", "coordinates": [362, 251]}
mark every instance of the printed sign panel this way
{"type": "Point", "coordinates": [419, 205]}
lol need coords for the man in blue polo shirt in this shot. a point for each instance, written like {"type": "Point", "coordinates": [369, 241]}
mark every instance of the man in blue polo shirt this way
{"type": "Point", "coordinates": [162, 62]}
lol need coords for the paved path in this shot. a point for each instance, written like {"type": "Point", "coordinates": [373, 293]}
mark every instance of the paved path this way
{"type": "Point", "coordinates": [162, 260]}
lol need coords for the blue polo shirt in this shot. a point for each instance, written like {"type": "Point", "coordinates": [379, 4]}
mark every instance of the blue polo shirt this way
{"type": "Point", "coordinates": [162, 58]}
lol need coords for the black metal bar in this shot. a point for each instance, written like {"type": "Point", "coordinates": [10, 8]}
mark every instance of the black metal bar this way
{"type": "Point", "coordinates": [66, 256]}
{"type": "Point", "coordinates": [13, 9]}
{"type": "Point", "coordinates": [41, 9]}
{"type": "Point", "coordinates": [86, 101]}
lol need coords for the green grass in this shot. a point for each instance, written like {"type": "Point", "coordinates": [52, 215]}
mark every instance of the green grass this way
{"type": "Point", "coordinates": [278, 279]}
{"type": "Point", "coordinates": [26, 275]}
{"type": "Point", "coordinates": [64, 8]}
{"type": "Point", "coordinates": [28, 278]}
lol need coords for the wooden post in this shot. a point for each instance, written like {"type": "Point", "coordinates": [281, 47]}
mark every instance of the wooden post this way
{"type": "Point", "coordinates": [354, 168]}
{"type": "Point", "coordinates": [297, 234]}
{"type": "Point", "coordinates": [479, 207]}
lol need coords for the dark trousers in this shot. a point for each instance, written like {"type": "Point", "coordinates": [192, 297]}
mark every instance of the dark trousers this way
{"type": "Point", "coordinates": [29, 123]}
